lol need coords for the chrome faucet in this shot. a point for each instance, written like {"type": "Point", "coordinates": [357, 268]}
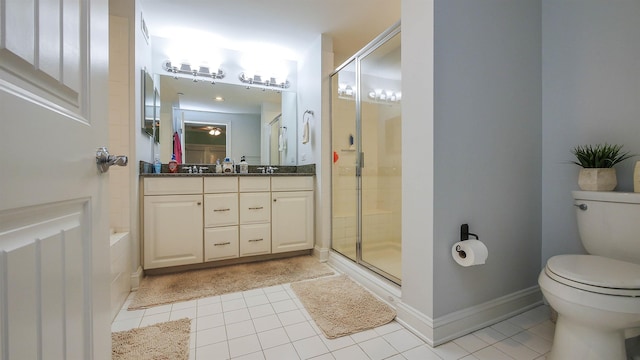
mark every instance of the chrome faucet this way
{"type": "Point", "coordinates": [203, 169]}
{"type": "Point", "coordinates": [271, 169]}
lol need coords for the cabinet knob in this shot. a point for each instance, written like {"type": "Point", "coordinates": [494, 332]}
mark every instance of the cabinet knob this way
{"type": "Point", "coordinates": [274, 200]}
{"type": "Point", "coordinates": [199, 203]}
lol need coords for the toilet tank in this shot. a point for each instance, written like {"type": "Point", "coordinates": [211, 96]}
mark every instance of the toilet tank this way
{"type": "Point", "coordinates": [610, 224]}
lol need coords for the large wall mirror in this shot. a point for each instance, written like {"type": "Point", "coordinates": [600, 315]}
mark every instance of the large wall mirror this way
{"type": "Point", "coordinates": [148, 103]}
{"type": "Point", "coordinates": [220, 120]}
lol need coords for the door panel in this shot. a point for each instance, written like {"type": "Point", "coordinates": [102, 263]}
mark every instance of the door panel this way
{"type": "Point", "coordinates": [54, 277]}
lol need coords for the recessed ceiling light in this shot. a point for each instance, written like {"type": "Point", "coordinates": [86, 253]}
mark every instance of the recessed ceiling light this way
{"type": "Point", "coordinates": [218, 98]}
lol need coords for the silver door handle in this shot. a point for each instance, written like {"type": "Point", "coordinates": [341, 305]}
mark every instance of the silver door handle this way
{"type": "Point", "coordinates": [104, 160]}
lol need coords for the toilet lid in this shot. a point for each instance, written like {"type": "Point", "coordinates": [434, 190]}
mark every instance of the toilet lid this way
{"type": "Point", "coordinates": [596, 274]}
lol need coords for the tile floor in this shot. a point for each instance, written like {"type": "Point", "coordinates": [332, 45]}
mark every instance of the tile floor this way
{"type": "Point", "coordinates": [271, 323]}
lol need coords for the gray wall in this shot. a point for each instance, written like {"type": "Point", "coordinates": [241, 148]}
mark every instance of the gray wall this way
{"type": "Point", "coordinates": [488, 140]}
{"type": "Point", "coordinates": [591, 94]}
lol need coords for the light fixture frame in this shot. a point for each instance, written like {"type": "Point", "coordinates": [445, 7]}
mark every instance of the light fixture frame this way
{"type": "Point", "coordinates": [257, 80]}
{"type": "Point", "coordinates": [201, 72]}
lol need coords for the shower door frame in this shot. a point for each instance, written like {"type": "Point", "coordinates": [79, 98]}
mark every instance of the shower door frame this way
{"type": "Point", "coordinates": [356, 59]}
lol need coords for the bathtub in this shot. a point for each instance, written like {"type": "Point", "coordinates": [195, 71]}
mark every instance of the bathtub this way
{"type": "Point", "coordinates": [120, 270]}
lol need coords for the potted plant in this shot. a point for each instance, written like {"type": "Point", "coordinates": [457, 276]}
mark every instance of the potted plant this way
{"type": "Point", "coordinates": [597, 161]}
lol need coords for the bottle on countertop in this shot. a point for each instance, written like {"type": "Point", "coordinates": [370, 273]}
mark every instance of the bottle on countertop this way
{"type": "Point", "coordinates": [157, 165]}
{"type": "Point", "coordinates": [173, 164]}
{"type": "Point", "coordinates": [244, 166]}
{"type": "Point", "coordinates": [218, 167]}
{"type": "Point", "coordinates": [227, 166]}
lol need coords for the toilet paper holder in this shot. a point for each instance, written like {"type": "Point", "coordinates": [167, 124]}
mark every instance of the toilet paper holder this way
{"type": "Point", "coordinates": [464, 235]}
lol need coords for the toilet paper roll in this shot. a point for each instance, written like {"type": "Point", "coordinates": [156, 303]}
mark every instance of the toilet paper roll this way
{"type": "Point", "coordinates": [469, 252]}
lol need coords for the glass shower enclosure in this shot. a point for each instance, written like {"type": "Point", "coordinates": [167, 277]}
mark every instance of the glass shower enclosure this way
{"type": "Point", "coordinates": [366, 123]}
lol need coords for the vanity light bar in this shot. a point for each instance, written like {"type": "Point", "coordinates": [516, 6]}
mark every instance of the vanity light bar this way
{"type": "Point", "coordinates": [257, 80]}
{"type": "Point", "coordinates": [201, 71]}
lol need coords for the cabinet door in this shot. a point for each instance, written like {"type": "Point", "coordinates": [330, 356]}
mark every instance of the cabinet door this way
{"type": "Point", "coordinates": [220, 209]}
{"type": "Point", "coordinates": [172, 230]}
{"type": "Point", "coordinates": [221, 243]}
{"type": "Point", "coordinates": [291, 221]}
{"type": "Point", "coordinates": [255, 239]}
{"type": "Point", "coordinates": [255, 208]}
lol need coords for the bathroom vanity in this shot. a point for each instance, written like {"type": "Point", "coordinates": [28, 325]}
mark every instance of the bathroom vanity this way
{"type": "Point", "coordinates": [202, 218]}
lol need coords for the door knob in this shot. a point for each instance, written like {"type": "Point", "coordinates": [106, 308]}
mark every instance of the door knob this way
{"type": "Point", "coordinates": [104, 160]}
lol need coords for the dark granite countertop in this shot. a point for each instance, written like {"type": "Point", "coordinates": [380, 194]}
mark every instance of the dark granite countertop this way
{"type": "Point", "coordinates": [146, 170]}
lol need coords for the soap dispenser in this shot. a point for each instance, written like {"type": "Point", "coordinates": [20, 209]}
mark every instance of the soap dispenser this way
{"type": "Point", "coordinates": [218, 167]}
{"type": "Point", "coordinates": [244, 167]}
{"type": "Point", "coordinates": [173, 164]}
{"type": "Point", "coordinates": [157, 165]}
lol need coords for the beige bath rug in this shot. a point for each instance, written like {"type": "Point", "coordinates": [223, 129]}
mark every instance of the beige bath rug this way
{"type": "Point", "coordinates": [165, 289]}
{"type": "Point", "coordinates": [341, 307]}
{"type": "Point", "coordinates": [163, 341]}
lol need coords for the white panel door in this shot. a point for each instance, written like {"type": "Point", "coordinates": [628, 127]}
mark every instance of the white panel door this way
{"type": "Point", "coordinates": [54, 246]}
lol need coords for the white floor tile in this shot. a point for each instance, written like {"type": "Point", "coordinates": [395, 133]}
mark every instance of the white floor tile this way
{"type": "Point", "coordinates": [310, 347]}
{"type": "Point", "coordinates": [423, 352]}
{"type": "Point", "coordinates": [273, 338]}
{"type": "Point", "coordinates": [210, 321]}
{"type": "Point", "coordinates": [533, 342]}
{"type": "Point", "coordinates": [291, 317]}
{"type": "Point", "coordinates": [261, 310]}
{"type": "Point", "coordinates": [235, 304]}
{"type": "Point", "coordinates": [337, 343]}
{"type": "Point", "coordinates": [240, 329]}
{"type": "Point", "coordinates": [282, 352]}
{"type": "Point", "coordinates": [516, 350]}
{"type": "Point", "coordinates": [450, 351]}
{"type": "Point", "coordinates": [253, 356]}
{"type": "Point", "coordinates": [402, 340]}
{"type": "Point", "coordinates": [378, 348]}
{"type": "Point", "coordinates": [209, 309]}
{"type": "Point", "coordinates": [218, 351]}
{"type": "Point", "coordinates": [259, 299]}
{"type": "Point", "coordinates": [271, 323]}
{"type": "Point", "coordinates": [266, 323]}
{"type": "Point", "coordinates": [470, 343]}
{"type": "Point", "coordinates": [352, 352]}
{"type": "Point", "coordinates": [235, 316]}
{"type": "Point", "coordinates": [211, 336]}
{"type": "Point", "coordinates": [244, 345]}
{"type": "Point", "coordinates": [299, 331]}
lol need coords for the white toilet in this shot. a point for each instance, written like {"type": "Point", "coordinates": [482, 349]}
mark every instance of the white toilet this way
{"type": "Point", "coordinates": [597, 296]}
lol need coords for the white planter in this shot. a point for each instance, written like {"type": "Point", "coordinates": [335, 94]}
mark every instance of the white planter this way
{"type": "Point", "coordinates": [596, 179]}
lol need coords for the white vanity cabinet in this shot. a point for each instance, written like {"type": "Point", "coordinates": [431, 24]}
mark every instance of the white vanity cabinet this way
{"type": "Point", "coordinates": [255, 216]}
{"type": "Point", "coordinates": [221, 218]}
{"type": "Point", "coordinates": [197, 219]}
{"type": "Point", "coordinates": [172, 222]}
{"type": "Point", "coordinates": [292, 213]}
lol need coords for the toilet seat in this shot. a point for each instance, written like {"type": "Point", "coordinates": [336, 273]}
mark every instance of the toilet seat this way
{"type": "Point", "coordinates": [596, 274]}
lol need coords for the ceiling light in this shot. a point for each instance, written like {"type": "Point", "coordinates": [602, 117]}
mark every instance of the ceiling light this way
{"type": "Point", "coordinates": [218, 98]}
{"type": "Point", "coordinates": [215, 131]}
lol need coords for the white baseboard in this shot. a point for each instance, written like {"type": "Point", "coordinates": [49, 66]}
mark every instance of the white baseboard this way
{"type": "Point", "coordinates": [135, 278]}
{"type": "Point", "coordinates": [465, 321]}
{"type": "Point", "coordinates": [448, 327]}
{"type": "Point", "coordinates": [321, 253]}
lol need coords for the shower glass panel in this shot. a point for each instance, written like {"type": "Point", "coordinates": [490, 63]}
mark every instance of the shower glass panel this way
{"type": "Point", "coordinates": [366, 122]}
{"type": "Point", "coordinates": [344, 182]}
{"type": "Point", "coordinates": [381, 180]}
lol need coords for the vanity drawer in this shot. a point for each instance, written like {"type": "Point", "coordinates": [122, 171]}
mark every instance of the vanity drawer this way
{"type": "Point", "coordinates": [255, 208]}
{"type": "Point", "coordinates": [254, 183]}
{"type": "Point", "coordinates": [221, 184]}
{"type": "Point", "coordinates": [255, 239]}
{"type": "Point", "coordinates": [291, 183]}
{"type": "Point", "coordinates": [220, 209]}
{"type": "Point", "coordinates": [172, 186]}
{"type": "Point", "coordinates": [221, 243]}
